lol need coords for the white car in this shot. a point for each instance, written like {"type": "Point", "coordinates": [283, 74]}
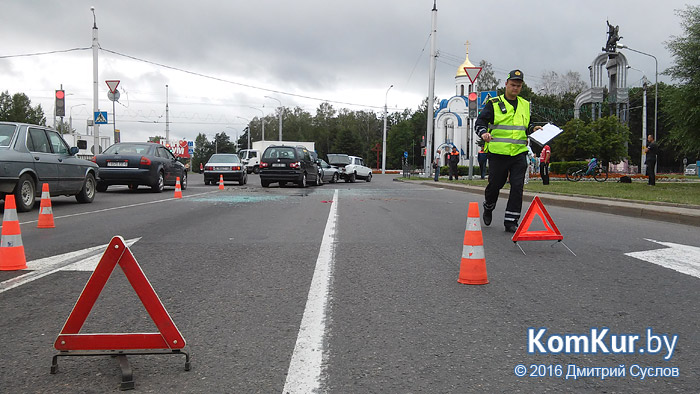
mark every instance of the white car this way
{"type": "Point", "coordinates": [350, 167]}
{"type": "Point", "coordinates": [691, 169]}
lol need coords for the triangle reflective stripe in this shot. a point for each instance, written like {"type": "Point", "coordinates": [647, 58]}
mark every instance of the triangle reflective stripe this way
{"type": "Point", "coordinates": [523, 232]}
{"type": "Point", "coordinates": [168, 336]}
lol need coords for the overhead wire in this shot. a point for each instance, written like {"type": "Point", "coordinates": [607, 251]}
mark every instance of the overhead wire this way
{"type": "Point", "coordinates": [43, 53]}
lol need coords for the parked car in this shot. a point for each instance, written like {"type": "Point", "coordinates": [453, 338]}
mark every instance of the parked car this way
{"type": "Point", "coordinates": [691, 169]}
{"type": "Point", "coordinates": [226, 164]}
{"type": "Point", "coordinates": [328, 172]}
{"type": "Point", "coordinates": [139, 163]}
{"type": "Point", "coordinates": [284, 164]}
{"type": "Point", "coordinates": [32, 155]}
{"type": "Point", "coordinates": [350, 167]}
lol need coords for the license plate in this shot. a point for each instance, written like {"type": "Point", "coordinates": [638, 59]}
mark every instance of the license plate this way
{"type": "Point", "coordinates": [222, 168]}
{"type": "Point", "coordinates": [117, 164]}
{"type": "Point", "coordinates": [279, 165]}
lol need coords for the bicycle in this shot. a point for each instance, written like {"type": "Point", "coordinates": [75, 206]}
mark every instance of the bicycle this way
{"type": "Point", "coordinates": [593, 168]}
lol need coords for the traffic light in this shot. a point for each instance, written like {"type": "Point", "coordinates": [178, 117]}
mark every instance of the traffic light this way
{"type": "Point", "coordinates": [422, 142]}
{"type": "Point", "coordinates": [473, 111]}
{"type": "Point", "coordinates": [60, 103]}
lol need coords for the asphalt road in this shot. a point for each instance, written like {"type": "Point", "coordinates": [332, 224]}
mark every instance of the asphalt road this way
{"type": "Point", "coordinates": [234, 269]}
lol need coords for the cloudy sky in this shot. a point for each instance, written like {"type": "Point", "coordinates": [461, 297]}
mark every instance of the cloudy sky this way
{"type": "Point", "coordinates": [220, 58]}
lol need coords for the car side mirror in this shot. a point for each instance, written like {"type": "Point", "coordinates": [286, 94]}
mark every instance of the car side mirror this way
{"type": "Point", "coordinates": [74, 150]}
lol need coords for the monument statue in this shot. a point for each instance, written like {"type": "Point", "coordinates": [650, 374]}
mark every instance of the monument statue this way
{"type": "Point", "coordinates": [613, 38]}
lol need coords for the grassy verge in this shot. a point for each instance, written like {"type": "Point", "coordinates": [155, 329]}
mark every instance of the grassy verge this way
{"type": "Point", "coordinates": [670, 192]}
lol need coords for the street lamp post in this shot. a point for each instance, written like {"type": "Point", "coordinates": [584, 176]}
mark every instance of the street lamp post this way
{"type": "Point", "coordinates": [240, 117]}
{"type": "Point", "coordinates": [644, 118]}
{"type": "Point", "coordinates": [280, 115]}
{"type": "Point", "coordinates": [262, 121]}
{"type": "Point", "coordinates": [656, 85]}
{"type": "Point", "coordinates": [384, 132]}
{"type": "Point", "coordinates": [70, 117]}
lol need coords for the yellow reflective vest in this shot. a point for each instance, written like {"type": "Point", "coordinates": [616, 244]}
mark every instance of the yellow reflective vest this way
{"type": "Point", "coordinates": [508, 131]}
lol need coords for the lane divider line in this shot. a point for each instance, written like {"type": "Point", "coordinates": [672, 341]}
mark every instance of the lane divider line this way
{"type": "Point", "coordinates": [123, 207]}
{"type": "Point", "coordinates": [306, 367]}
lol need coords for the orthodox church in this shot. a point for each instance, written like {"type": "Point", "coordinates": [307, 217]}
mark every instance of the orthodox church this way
{"type": "Point", "coordinates": [452, 124]}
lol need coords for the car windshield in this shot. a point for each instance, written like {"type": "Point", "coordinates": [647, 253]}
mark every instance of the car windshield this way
{"type": "Point", "coordinates": [279, 152]}
{"type": "Point", "coordinates": [6, 132]}
{"type": "Point", "coordinates": [219, 158]}
{"type": "Point", "coordinates": [127, 149]}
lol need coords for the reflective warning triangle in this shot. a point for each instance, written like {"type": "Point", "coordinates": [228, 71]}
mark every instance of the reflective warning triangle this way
{"type": "Point", "coordinates": [70, 338]}
{"type": "Point", "coordinates": [536, 209]}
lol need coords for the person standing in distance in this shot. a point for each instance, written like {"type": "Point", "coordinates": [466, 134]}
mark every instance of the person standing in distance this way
{"type": "Point", "coordinates": [545, 157]}
{"type": "Point", "coordinates": [503, 124]}
{"type": "Point", "coordinates": [651, 150]}
{"type": "Point", "coordinates": [454, 161]}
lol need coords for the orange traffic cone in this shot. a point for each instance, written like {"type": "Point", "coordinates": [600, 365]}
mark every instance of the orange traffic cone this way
{"type": "Point", "coordinates": [45, 211]}
{"type": "Point", "coordinates": [473, 268]}
{"type": "Point", "coordinates": [221, 182]}
{"type": "Point", "coordinates": [11, 248]}
{"type": "Point", "coordinates": [178, 190]}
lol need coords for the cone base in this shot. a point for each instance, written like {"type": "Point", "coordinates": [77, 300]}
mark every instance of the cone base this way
{"type": "Point", "coordinates": [15, 254]}
{"type": "Point", "coordinates": [473, 282]}
{"type": "Point", "coordinates": [473, 272]}
{"type": "Point", "coordinates": [46, 225]}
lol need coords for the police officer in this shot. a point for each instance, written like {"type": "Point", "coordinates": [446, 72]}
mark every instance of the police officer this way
{"type": "Point", "coordinates": [503, 124]}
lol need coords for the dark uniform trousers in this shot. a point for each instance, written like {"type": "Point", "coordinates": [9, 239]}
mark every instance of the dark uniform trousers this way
{"type": "Point", "coordinates": [501, 168]}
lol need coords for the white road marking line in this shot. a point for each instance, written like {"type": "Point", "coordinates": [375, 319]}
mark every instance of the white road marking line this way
{"type": "Point", "coordinates": [305, 368]}
{"type": "Point", "coordinates": [121, 207]}
{"type": "Point", "coordinates": [79, 260]}
{"type": "Point", "coordinates": [678, 257]}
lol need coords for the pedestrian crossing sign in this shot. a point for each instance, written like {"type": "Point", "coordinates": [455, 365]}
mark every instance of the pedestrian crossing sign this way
{"type": "Point", "coordinates": [101, 117]}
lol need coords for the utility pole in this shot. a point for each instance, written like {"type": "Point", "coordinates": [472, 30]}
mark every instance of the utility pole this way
{"type": "Point", "coordinates": [167, 117]}
{"type": "Point", "coordinates": [431, 92]}
{"type": "Point", "coordinates": [644, 127]}
{"type": "Point", "coordinates": [95, 101]}
{"type": "Point", "coordinates": [280, 115]}
{"type": "Point", "coordinates": [384, 133]}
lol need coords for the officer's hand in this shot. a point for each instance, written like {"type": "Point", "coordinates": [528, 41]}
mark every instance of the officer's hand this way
{"type": "Point", "coordinates": [536, 128]}
{"type": "Point", "coordinates": [486, 137]}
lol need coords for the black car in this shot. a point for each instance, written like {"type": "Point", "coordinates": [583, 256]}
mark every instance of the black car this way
{"type": "Point", "coordinates": [139, 163]}
{"type": "Point", "coordinates": [32, 155]}
{"type": "Point", "coordinates": [284, 164]}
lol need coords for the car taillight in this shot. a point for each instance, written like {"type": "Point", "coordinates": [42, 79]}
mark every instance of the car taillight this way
{"type": "Point", "coordinates": [236, 168]}
{"type": "Point", "coordinates": [145, 161]}
{"type": "Point", "coordinates": [94, 159]}
{"type": "Point", "coordinates": [264, 165]}
{"type": "Point", "coordinates": [209, 168]}
{"type": "Point", "coordinates": [295, 165]}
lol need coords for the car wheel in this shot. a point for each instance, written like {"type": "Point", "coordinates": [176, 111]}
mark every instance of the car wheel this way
{"type": "Point", "coordinates": [87, 193]}
{"type": "Point", "coordinates": [25, 193]}
{"type": "Point", "coordinates": [159, 184]}
{"type": "Point", "coordinates": [334, 178]}
{"type": "Point", "coordinates": [283, 184]}
{"type": "Point", "coordinates": [353, 177]}
{"type": "Point", "coordinates": [183, 181]}
{"type": "Point", "coordinates": [133, 186]}
{"type": "Point", "coordinates": [265, 183]}
{"type": "Point", "coordinates": [241, 182]}
{"type": "Point", "coordinates": [206, 182]}
{"type": "Point", "coordinates": [101, 187]}
{"type": "Point", "coordinates": [303, 181]}
{"type": "Point", "coordinates": [245, 177]}
{"type": "Point", "coordinates": [256, 170]}
{"type": "Point", "coordinates": [369, 177]}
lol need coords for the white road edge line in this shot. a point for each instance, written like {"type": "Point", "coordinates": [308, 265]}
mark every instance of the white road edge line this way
{"type": "Point", "coordinates": [305, 368]}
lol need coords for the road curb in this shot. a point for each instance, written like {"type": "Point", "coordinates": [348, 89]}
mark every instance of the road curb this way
{"type": "Point", "coordinates": [664, 213]}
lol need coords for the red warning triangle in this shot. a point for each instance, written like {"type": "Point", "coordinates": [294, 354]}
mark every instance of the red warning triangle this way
{"type": "Point", "coordinates": [537, 209]}
{"type": "Point", "coordinates": [168, 336]}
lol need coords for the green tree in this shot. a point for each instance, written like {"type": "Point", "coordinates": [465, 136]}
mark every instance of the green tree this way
{"type": "Point", "coordinates": [222, 143]}
{"type": "Point", "coordinates": [683, 103]}
{"type": "Point", "coordinates": [576, 142]}
{"type": "Point", "coordinates": [614, 137]}
{"type": "Point", "coordinates": [487, 79]}
{"type": "Point", "coordinates": [203, 150]}
{"type": "Point", "coordinates": [18, 108]}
